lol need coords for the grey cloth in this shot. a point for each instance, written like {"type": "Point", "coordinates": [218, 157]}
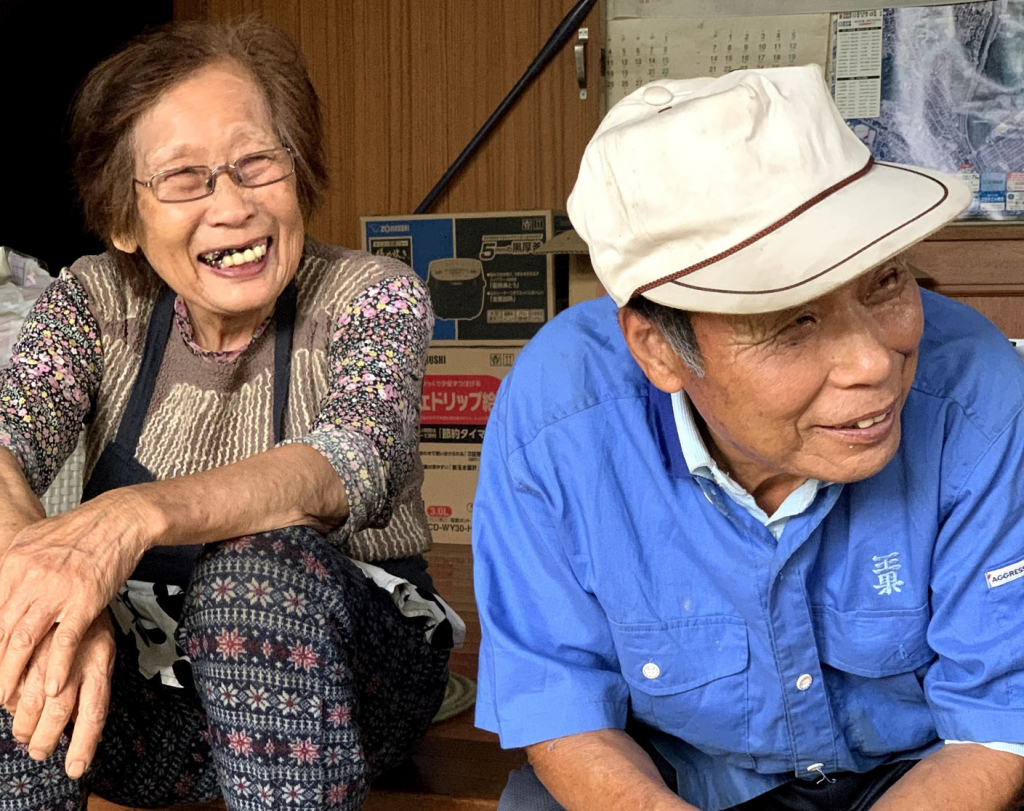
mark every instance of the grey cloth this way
{"type": "Point", "coordinates": [525, 792]}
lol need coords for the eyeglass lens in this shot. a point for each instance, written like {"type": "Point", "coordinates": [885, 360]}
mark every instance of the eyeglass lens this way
{"type": "Point", "coordinates": [193, 182]}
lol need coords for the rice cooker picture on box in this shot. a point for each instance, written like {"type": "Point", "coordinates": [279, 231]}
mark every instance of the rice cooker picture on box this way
{"type": "Point", "coordinates": [456, 288]}
{"type": "Point", "coordinates": [484, 276]}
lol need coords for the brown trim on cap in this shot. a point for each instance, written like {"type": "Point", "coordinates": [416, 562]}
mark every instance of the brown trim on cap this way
{"type": "Point", "coordinates": [941, 200]}
{"type": "Point", "coordinates": [759, 235]}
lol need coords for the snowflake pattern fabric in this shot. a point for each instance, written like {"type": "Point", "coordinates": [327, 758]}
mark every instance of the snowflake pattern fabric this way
{"type": "Point", "coordinates": [309, 683]}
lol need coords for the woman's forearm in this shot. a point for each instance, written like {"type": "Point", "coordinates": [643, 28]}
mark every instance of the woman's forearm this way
{"type": "Point", "coordinates": [20, 506]}
{"type": "Point", "coordinates": [286, 486]}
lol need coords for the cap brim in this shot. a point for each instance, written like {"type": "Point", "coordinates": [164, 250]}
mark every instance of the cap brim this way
{"type": "Point", "coordinates": [861, 225]}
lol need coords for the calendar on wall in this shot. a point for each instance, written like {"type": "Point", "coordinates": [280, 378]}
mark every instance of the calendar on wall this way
{"type": "Point", "coordinates": [642, 50]}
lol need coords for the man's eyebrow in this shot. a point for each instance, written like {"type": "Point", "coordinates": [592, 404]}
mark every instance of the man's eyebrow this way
{"type": "Point", "coordinates": [899, 262]}
{"type": "Point", "coordinates": [761, 324]}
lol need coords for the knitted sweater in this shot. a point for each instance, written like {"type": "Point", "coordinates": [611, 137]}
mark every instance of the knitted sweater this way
{"type": "Point", "coordinates": [361, 330]}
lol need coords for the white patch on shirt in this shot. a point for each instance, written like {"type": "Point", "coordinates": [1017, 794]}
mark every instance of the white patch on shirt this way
{"type": "Point", "coordinates": [887, 567]}
{"type": "Point", "coordinates": [1000, 577]}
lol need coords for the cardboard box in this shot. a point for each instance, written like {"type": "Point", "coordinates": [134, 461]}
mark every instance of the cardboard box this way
{"type": "Point", "coordinates": [458, 394]}
{"type": "Point", "coordinates": [485, 280]}
{"type": "Point", "coordinates": [583, 283]}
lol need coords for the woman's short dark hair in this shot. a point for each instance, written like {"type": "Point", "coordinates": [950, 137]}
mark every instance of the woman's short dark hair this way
{"type": "Point", "coordinates": [675, 326]}
{"type": "Point", "coordinates": [122, 88]}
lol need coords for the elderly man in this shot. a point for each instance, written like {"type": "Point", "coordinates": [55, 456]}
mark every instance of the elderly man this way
{"type": "Point", "coordinates": [749, 532]}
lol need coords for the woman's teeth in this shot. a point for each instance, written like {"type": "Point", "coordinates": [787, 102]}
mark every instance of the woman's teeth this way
{"type": "Point", "coordinates": [231, 258]}
{"type": "Point", "coordinates": [867, 423]}
{"type": "Point", "coordinates": [242, 257]}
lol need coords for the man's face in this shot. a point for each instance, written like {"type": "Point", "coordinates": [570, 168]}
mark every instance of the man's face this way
{"type": "Point", "coordinates": [814, 391]}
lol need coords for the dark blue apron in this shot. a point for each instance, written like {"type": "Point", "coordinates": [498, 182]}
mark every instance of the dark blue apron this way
{"type": "Point", "coordinates": [117, 465]}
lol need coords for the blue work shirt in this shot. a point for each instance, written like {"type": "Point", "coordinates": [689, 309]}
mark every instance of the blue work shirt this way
{"type": "Point", "coordinates": [609, 582]}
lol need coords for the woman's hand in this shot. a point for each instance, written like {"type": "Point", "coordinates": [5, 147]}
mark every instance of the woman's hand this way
{"type": "Point", "coordinates": [66, 570]}
{"type": "Point", "coordinates": [39, 720]}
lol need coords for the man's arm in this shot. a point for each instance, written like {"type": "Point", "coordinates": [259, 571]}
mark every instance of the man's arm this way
{"type": "Point", "coordinates": [957, 777]}
{"type": "Point", "coordinates": [604, 769]}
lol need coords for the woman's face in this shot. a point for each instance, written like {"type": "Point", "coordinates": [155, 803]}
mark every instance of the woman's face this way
{"type": "Point", "coordinates": [213, 118]}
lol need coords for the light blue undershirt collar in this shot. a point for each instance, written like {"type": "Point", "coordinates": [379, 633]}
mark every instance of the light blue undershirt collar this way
{"type": "Point", "coordinates": [700, 463]}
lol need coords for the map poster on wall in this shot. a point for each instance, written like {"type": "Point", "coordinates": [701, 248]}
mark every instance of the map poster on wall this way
{"type": "Point", "coordinates": [950, 96]}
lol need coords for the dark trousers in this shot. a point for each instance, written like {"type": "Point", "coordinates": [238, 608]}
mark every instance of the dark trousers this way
{"type": "Point", "coordinates": [849, 792]}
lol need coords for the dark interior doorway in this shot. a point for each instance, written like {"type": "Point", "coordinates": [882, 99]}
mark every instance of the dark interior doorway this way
{"type": "Point", "coordinates": [46, 49]}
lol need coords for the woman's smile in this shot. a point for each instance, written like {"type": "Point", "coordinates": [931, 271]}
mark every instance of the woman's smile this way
{"type": "Point", "coordinates": [228, 254]}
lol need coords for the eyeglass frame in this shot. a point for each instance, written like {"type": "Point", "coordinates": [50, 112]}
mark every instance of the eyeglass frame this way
{"type": "Point", "coordinates": [211, 177]}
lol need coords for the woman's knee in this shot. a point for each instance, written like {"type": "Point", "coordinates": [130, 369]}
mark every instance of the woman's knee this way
{"type": "Point", "coordinates": [268, 593]}
{"type": "Point", "coordinates": [285, 569]}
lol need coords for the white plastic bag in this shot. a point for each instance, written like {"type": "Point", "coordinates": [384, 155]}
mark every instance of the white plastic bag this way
{"type": "Point", "coordinates": [22, 280]}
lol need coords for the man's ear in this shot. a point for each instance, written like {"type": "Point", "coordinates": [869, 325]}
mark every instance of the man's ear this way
{"type": "Point", "coordinates": [124, 243]}
{"type": "Point", "coordinates": [659, 362]}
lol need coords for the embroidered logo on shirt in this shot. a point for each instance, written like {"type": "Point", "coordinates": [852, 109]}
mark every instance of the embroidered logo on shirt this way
{"type": "Point", "coordinates": [1000, 577]}
{"type": "Point", "coordinates": [887, 568]}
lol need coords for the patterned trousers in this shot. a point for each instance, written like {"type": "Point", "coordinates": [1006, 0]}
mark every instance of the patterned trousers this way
{"type": "Point", "coordinates": [309, 683]}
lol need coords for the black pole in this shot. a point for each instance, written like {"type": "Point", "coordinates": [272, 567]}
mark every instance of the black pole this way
{"type": "Point", "coordinates": [555, 42]}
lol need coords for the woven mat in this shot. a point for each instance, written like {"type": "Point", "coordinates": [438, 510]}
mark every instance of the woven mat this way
{"type": "Point", "coordinates": [459, 696]}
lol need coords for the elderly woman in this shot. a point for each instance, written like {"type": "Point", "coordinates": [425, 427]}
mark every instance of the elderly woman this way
{"type": "Point", "coordinates": [237, 380]}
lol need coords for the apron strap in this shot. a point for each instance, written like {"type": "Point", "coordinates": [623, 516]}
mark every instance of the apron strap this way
{"type": "Point", "coordinates": [160, 323]}
{"type": "Point", "coordinates": [284, 329]}
{"type": "Point", "coordinates": [130, 429]}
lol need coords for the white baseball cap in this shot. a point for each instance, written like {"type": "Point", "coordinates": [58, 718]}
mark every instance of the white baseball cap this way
{"type": "Point", "coordinates": [746, 193]}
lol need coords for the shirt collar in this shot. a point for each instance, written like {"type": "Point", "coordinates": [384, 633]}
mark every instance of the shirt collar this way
{"type": "Point", "coordinates": [695, 452]}
{"type": "Point", "coordinates": [666, 433]}
{"type": "Point", "coordinates": [700, 463]}
{"type": "Point", "coordinates": [184, 324]}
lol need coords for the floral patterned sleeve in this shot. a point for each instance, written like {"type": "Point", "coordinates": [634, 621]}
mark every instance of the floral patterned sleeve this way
{"type": "Point", "coordinates": [369, 421]}
{"type": "Point", "coordinates": [47, 389]}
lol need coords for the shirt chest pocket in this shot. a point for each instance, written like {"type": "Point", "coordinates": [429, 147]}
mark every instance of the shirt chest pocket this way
{"type": "Point", "coordinates": [874, 644]}
{"type": "Point", "coordinates": [689, 678]}
{"type": "Point", "coordinates": [878, 660]}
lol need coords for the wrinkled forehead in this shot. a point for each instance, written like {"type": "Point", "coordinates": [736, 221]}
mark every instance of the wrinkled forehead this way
{"type": "Point", "coordinates": [756, 326]}
{"type": "Point", "coordinates": [189, 113]}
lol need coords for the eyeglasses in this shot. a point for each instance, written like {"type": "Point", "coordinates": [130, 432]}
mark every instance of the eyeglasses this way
{"type": "Point", "coordinates": [186, 183]}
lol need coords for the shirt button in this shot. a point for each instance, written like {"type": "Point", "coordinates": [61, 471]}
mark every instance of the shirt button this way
{"type": "Point", "coordinates": [804, 681]}
{"type": "Point", "coordinates": [657, 95]}
{"type": "Point", "coordinates": [651, 670]}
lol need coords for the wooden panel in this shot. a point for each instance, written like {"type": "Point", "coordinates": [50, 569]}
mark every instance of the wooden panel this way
{"type": "Point", "coordinates": [425, 802]}
{"type": "Point", "coordinates": [405, 85]}
{"type": "Point", "coordinates": [985, 273]}
{"type": "Point", "coordinates": [980, 230]}
{"type": "Point", "coordinates": [453, 768]}
{"type": "Point", "coordinates": [970, 262]}
{"type": "Point", "coordinates": [451, 567]}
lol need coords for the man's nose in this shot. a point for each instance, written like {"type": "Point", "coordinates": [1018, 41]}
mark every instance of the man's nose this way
{"type": "Point", "coordinates": [861, 355]}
